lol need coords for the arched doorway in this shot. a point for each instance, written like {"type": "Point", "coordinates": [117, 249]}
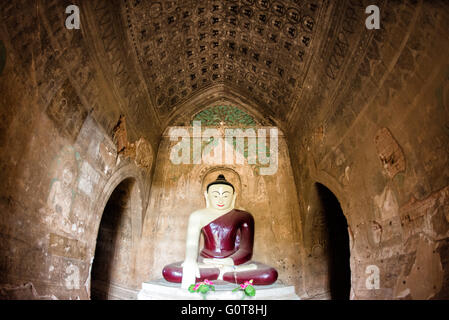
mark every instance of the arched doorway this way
{"type": "Point", "coordinates": [112, 269]}
{"type": "Point", "coordinates": [337, 248]}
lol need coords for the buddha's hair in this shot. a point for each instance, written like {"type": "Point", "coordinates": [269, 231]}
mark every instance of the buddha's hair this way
{"type": "Point", "coordinates": [220, 180]}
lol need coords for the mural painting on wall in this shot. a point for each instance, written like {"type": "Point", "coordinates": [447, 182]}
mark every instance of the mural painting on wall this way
{"type": "Point", "coordinates": [224, 115]}
{"type": "Point", "coordinates": [229, 116]}
{"type": "Point", "coordinates": [229, 131]}
{"type": "Point", "coordinates": [319, 240]}
{"type": "Point", "coordinates": [139, 151]}
{"type": "Point", "coordinates": [67, 111]}
{"type": "Point", "coordinates": [389, 152]}
{"type": "Point", "coordinates": [65, 176]}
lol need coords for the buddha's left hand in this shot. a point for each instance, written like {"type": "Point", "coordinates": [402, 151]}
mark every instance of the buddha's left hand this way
{"type": "Point", "coordinates": [223, 262]}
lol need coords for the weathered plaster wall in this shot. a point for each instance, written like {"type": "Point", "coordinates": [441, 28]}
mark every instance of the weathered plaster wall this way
{"type": "Point", "coordinates": [59, 164]}
{"type": "Point", "coordinates": [178, 190]}
{"type": "Point", "coordinates": [376, 134]}
{"type": "Point", "coordinates": [52, 209]}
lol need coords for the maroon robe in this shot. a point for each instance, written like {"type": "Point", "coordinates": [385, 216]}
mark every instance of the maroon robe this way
{"type": "Point", "coordinates": [229, 236]}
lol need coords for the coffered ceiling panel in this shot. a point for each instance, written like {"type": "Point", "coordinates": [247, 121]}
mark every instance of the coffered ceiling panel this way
{"type": "Point", "coordinates": [258, 48]}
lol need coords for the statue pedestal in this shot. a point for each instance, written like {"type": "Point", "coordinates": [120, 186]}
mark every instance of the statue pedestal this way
{"type": "Point", "coordinates": [164, 290]}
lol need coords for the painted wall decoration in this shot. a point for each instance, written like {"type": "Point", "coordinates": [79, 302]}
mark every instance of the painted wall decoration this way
{"type": "Point", "coordinates": [224, 115]}
{"type": "Point", "coordinates": [63, 184]}
{"type": "Point", "coordinates": [67, 112]}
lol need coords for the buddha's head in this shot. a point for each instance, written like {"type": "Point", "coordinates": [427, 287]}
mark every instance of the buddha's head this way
{"type": "Point", "coordinates": [220, 194]}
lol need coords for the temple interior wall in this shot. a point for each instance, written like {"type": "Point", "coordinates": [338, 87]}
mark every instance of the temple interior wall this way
{"type": "Point", "coordinates": [381, 146]}
{"type": "Point", "coordinates": [59, 163]}
{"type": "Point", "coordinates": [52, 208]}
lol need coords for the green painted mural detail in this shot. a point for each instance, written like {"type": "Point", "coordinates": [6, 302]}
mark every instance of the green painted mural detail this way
{"type": "Point", "coordinates": [230, 116]}
{"type": "Point", "coordinates": [2, 56]}
{"type": "Point", "coordinates": [224, 115]}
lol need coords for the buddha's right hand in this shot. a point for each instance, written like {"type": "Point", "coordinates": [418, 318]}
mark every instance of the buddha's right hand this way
{"type": "Point", "coordinates": [190, 272]}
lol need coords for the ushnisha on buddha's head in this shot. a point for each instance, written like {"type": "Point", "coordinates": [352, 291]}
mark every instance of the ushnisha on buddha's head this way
{"type": "Point", "coordinates": [220, 194]}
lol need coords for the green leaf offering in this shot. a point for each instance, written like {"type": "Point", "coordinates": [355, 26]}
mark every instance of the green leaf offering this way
{"type": "Point", "coordinates": [203, 289]}
{"type": "Point", "coordinates": [192, 288]}
{"type": "Point", "coordinates": [250, 291]}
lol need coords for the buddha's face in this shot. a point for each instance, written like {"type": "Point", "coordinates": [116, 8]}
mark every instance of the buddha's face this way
{"type": "Point", "coordinates": [220, 196]}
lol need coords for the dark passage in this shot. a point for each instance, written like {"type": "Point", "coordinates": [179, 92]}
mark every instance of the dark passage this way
{"type": "Point", "coordinates": [113, 239]}
{"type": "Point", "coordinates": [338, 244]}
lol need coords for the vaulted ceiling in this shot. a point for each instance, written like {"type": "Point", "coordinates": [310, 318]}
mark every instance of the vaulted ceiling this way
{"type": "Point", "coordinates": [161, 62]}
{"type": "Point", "coordinates": [259, 49]}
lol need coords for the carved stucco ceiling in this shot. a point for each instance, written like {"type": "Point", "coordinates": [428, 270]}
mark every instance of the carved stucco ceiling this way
{"type": "Point", "coordinates": [258, 48]}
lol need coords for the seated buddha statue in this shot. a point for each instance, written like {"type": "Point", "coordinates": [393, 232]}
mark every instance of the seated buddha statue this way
{"type": "Point", "coordinates": [228, 243]}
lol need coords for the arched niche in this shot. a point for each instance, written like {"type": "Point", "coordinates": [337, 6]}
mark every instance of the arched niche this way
{"type": "Point", "coordinates": [218, 95]}
{"type": "Point", "coordinates": [119, 230]}
{"type": "Point", "coordinates": [327, 246]}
